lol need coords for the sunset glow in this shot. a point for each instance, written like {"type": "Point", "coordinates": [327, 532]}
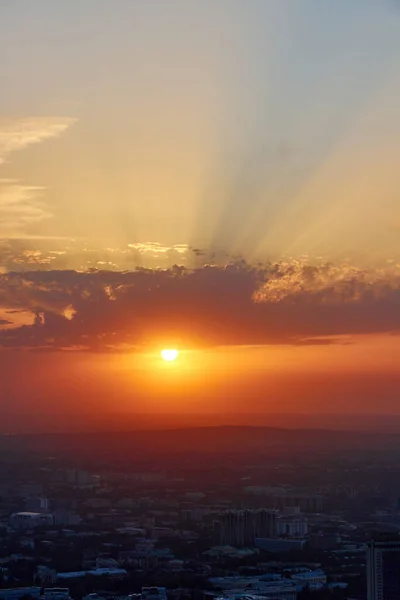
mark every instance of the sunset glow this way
{"type": "Point", "coordinates": [199, 206]}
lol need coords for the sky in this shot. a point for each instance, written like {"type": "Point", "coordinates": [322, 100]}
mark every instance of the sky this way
{"type": "Point", "coordinates": [217, 176]}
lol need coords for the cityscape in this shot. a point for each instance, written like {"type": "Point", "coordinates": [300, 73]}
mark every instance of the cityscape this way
{"type": "Point", "coordinates": [227, 513]}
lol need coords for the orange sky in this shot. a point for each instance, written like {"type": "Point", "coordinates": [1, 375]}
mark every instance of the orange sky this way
{"type": "Point", "coordinates": [362, 377]}
{"type": "Point", "coordinates": [217, 176]}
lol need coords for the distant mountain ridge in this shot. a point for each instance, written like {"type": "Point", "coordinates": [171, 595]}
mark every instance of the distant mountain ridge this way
{"type": "Point", "coordinates": [204, 440]}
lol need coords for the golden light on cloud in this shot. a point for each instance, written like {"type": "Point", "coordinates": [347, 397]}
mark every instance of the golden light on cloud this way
{"type": "Point", "coordinates": [169, 354]}
{"type": "Point", "coordinates": [16, 134]}
{"type": "Point", "coordinates": [21, 205]}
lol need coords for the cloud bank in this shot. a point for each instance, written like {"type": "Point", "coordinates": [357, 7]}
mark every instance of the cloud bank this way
{"type": "Point", "coordinates": [276, 303]}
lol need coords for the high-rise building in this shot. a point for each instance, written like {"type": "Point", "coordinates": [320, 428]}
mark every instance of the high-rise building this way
{"type": "Point", "coordinates": [30, 520]}
{"type": "Point", "coordinates": [383, 569]}
{"type": "Point", "coordinates": [292, 526]}
{"type": "Point", "coordinates": [154, 593]}
{"type": "Point", "coordinates": [241, 527]}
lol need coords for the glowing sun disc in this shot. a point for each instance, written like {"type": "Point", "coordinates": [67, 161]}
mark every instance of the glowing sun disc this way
{"type": "Point", "coordinates": [169, 354]}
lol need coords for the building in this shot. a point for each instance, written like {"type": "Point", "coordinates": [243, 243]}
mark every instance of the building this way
{"type": "Point", "coordinates": [194, 514]}
{"type": "Point", "coordinates": [277, 546]}
{"type": "Point", "coordinates": [106, 563]}
{"type": "Point", "coordinates": [313, 580]}
{"type": "Point", "coordinates": [18, 593]}
{"type": "Point", "coordinates": [154, 593]}
{"type": "Point", "coordinates": [79, 478]}
{"type": "Point", "coordinates": [45, 574]}
{"type": "Point", "coordinates": [324, 541]}
{"type": "Point", "coordinates": [56, 594]}
{"type": "Point", "coordinates": [66, 518]}
{"type": "Point", "coordinates": [264, 523]}
{"type": "Point", "coordinates": [34, 592]}
{"type": "Point", "coordinates": [292, 526]}
{"type": "Point", "coordinates": [115, 574]}
{"type": "Point", "coordinates": [241, 527]}
{"type": "Point", "coordinates": [383, 571]}
{"type": "Point", "coordinates": [275, 592]}
{"type": "Point", "coordinates": [271, 586]}
{"type": "Point", "coordinates": [30, 520]}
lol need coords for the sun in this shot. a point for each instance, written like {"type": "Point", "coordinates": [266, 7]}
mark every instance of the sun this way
{"type": "Point", "coordinates": [169, 354]}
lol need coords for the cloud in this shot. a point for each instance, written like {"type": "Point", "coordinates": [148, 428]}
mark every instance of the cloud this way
{"type": "Point", "coordinates": [10, 319]}
{"type": "Point", "coordinates": [21, 204]}
{"type": "Point", "coordinates": [33, 252]}
{"type": "Point", "coordinates": [276, 303]}
{"type": "Point", "coordinates": [16, 134]}
{"type": "Point", "coordinates": [157, 249]}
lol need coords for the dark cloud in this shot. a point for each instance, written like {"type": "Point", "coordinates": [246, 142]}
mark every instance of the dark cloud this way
{"type": "Point", "coordinates": [285, 303]}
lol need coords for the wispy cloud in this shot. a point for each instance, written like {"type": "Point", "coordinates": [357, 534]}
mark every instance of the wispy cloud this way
{"type": "Point", "coordinates": [16, 134]}
{"type": "Point", "coordinates": [21, 204]}
{"type": "Point", "coordinates": [159, 249]}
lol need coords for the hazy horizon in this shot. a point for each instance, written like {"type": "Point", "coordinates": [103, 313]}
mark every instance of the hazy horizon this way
{"type": "Point", "coordinates": [88, 423]}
